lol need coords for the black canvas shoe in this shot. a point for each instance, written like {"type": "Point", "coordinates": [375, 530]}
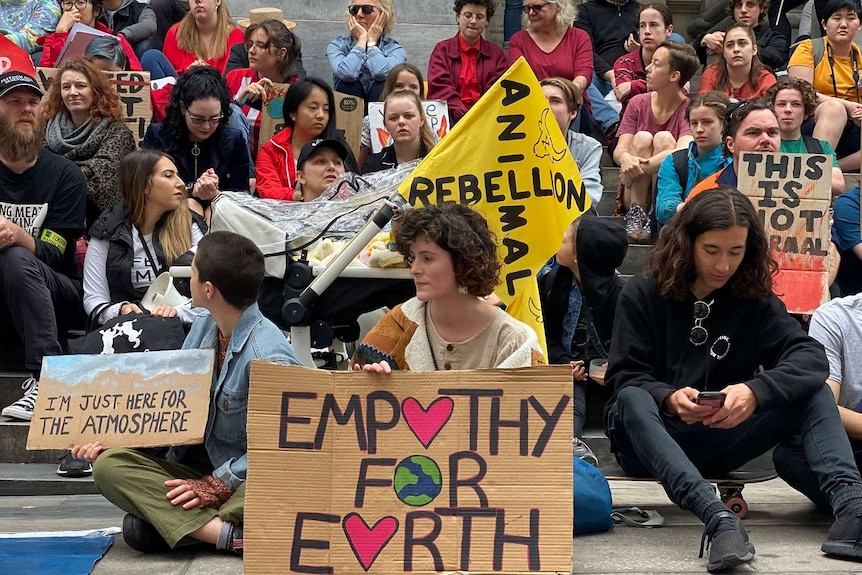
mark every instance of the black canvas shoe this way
{"type": "Point", "coordinates": [727, 542]}
{"type": "Point", "coordinates": [141, 536]}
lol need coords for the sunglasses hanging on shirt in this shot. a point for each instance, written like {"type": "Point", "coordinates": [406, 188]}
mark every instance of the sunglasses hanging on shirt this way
{"type": "Point", "coordinates": [698, 334]}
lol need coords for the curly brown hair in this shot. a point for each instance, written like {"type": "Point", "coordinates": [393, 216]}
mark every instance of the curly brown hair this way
{"type": "Point", "coordinates": [461, 232]}
{"type": "Point", "coordinates": [763, 4]}
{"type": "Point", "coordinates": [672, 259]}
{"type": "Point", "coordinates": [106, 101]}
{"type": "Point", "coordinates": [809, 95]}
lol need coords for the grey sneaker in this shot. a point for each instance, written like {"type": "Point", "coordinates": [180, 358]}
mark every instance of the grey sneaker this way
{"type": "Point", "coordinates": [635, 219]}
{"type": "Point", "coordinates": [583, 452]}
{"type": "Point", "coordinates": [23, 408]}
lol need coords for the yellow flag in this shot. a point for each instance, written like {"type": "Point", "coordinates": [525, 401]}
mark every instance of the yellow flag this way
{"type": "Point", "coordinates": [508, 160]}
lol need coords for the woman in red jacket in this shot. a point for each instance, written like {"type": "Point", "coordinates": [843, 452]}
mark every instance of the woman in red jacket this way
{"type": "Point", "coordinates": [85, 12]}
{"type": "Point", "coordinates": [204, 36]}
{"type": "Point", "coordinates": [463, 68]}
{"type": "Point", "coordinates": [309, 114]}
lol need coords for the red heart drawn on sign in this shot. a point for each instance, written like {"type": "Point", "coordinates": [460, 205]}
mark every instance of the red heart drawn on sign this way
{"type": "Point", "coordinates": [427, 423]}
{"type": "Point", "coordinates": [368, 542]}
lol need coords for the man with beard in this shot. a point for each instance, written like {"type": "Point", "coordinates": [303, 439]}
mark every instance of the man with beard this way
{"type": "Point", "coordinates": [42, 204]}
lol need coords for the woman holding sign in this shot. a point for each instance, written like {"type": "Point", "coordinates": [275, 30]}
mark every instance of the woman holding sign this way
{"type": "Point", "coordinates": [85, 124]}
{"type": "Point", "coordinates": [707, 320]}
{"type": "Point", "coordinates": [448, 325]}
{"type": "Point", "coordinates": [79, 12]}
{"type": "Point", "coordinates": [404, 118]}
{"type": "Point", "coordinates": [272, 49]}
{"type": "Point", "coordinates": [309, 114]}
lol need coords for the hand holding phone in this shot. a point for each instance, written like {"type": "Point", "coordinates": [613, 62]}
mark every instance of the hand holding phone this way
{"type": "Point", "coordinates": [711, 398]}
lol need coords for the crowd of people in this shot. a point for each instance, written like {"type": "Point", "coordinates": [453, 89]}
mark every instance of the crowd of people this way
{"type": "Point", "coordinates": [89, 222]}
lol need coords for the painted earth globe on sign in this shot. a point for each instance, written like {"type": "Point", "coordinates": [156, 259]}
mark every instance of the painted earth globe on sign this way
{"type": "Point", "coordinates": [417, 480]}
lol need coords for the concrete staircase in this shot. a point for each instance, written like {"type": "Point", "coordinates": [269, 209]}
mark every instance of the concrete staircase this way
{"type": "Point", "coordinates": [25, 472]}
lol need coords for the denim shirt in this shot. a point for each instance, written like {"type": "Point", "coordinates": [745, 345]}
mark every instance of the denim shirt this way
{"type": "Point", "coordinates": [225, 438]}
{"type": "Point", "coordinates": [350, 63]}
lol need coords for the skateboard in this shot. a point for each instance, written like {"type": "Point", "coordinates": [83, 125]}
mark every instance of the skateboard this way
{"type": "Point", "coordinates": [729, 487]}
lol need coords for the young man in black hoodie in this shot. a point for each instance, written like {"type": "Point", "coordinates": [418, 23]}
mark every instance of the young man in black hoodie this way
{"type": "Point", "coordinates": [579, 289]}
{"type": "Point", "coordinates": [706, 319]}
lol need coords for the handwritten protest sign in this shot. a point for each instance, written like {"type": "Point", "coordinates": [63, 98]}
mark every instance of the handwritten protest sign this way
{"type": "Point", "coordinates": [349, 110]}
{"type": "Point", "coordinates": [123, 400]}
{"type": "Point", "coordinates": [436, 114]}
{"type": "Point", "coordinates": [791, 193]}
{"type": "Point", "coordinates": [508, 160]}
{"type": "Point", "coordinates": [134, 91]}
{"type": "Point", "coordinates": [467, 472]}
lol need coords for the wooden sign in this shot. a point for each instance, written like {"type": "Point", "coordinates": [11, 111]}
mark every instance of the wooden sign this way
{"type": "Point", "coordinates": [348, 120]}
{"type": "Point", "coordinates": [123, 400]}
{"type": "Point", "coordinates": [436, 114]}
{"type": "Point", "coordinates": [134, 91]}
{"type": "Point", "coordinates": [792, 193]}
{"type": "Point", "coordinates": [411, 472]}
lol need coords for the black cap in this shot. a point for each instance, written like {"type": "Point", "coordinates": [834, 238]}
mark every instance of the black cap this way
{"type": "Point", "coordinates": [309, 149]}
{"type": "Point", "coordinates": [11, 80]}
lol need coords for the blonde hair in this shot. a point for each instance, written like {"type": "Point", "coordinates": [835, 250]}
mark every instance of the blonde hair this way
{"type": "Point", "coordinates": [134, 178]}
{"type": "Point", "coordinates": [567, 14]}
{"type": "Point", "coordinates": [426, 137]}
{"type": "Point", "coordinates": [384, 6]}
{"type": "Point", "coordinates": [189, 38]}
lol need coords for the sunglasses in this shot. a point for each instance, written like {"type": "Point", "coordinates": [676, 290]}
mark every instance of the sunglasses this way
{"type": "Point", "coordinates": [536, 8]}
{"type": "Point", "coordinates": [366, 9]}
{"type": "Point", "coordinates": [698, 334]}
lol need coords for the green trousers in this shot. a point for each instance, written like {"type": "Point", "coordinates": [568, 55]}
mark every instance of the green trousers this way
{"type": "Point", "coordinates": [135, 482]}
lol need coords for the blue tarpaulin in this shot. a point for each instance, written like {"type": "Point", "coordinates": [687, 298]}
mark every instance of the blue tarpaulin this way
{"type": "Point", "coordinates": [49, 555]}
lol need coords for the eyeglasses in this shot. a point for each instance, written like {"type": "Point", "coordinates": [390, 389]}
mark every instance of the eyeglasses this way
{"type": "Point", "coordinates": [536, 8]}
{"type": "Point", "coordinates": [79, 4]}
{"type": "Point", "coordinates": [257, 46]}
{"type": "Point", "coordinates": [470, 16]}
{"type": "Point", "coordinates": [200, 120]}
{"type": "Point", "coordinates": [366, 9]}
{"type": "Point", "coordinates": [698, 334]}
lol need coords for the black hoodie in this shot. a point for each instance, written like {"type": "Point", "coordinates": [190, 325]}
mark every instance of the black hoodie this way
{"type": "Point", "coordinates": [601, 247]}
{"type": "Point", "coordinates": [749, 341]}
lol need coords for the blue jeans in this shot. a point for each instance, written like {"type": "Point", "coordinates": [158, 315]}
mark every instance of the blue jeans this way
{"type": "Point", "coordinates": [649, 443]}
{"type": "Point", "coordinates": [512, 18]}
{"type": "Point", "coordinates": [604, 115]}
{"type": "Point", "coordinates": [238, 121]}
{"type": "Point", "coordinates": [157, 64]}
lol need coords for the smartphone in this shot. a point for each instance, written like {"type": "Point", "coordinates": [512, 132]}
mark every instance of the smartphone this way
{"type": "Point", "coordinates": [711, 398]}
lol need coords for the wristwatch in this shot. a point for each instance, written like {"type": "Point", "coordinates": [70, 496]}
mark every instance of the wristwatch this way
{"type": "Point", "coordinates": [370, 45]}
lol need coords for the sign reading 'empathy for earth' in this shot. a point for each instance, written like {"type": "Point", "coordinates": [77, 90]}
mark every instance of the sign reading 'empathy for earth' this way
{"type": "Point", "coordinates": [409, 472]}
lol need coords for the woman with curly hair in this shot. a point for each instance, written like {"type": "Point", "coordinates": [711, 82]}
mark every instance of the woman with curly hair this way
{"type": "Point", "coordinates": [85, 124]}
{"type": "Point", "coordinates": [448, 325]}
{"type": "Point", "coordinates": [139, 238]}
{"type": "Point", "coordinates": [362, 57]}
{"type": "Point", "coordinates": [739, 73]}
{"type": "Point", "coordinates": [706, 320]}
{"type": "Point", "coordinates": [209, 154]}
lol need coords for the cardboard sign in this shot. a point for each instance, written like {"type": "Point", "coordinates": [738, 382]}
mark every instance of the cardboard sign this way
{"type": "Point", "coordinates": [348, 121]}
{"type": "Point", "coordinates": [123, 400]}
{"type": "Point", "coordinates": [436, 114]}
{"type": "Point", "coordinates": [792, 193]}
{"type": "Point", "coordinates": [467, 472]}
{"type": "Point", "coordinates": [134, 91]}
{"type": "Point", "coordinates": [508, 160]}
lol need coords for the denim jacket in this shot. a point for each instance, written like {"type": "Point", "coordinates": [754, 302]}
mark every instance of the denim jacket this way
{"type": "Point", "coordinates": [225, 438]}
{"type": "Point", "coordinates": [351, 63]}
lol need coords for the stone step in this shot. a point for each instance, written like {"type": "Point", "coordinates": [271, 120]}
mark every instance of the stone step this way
{"type": "Point", "coordinates": [10, 385]}
{"type": "Point", "coordinates": [13, 445]}
{"type": "Point", "coordinates": [40, 479]}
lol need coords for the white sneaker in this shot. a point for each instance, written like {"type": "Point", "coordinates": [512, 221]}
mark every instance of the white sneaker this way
{"type": "Point", "coordinates": [23, 408]}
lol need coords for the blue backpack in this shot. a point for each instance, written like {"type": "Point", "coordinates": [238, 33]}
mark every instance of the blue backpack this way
{"type": "Point", "coordinates": [592, 499]}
